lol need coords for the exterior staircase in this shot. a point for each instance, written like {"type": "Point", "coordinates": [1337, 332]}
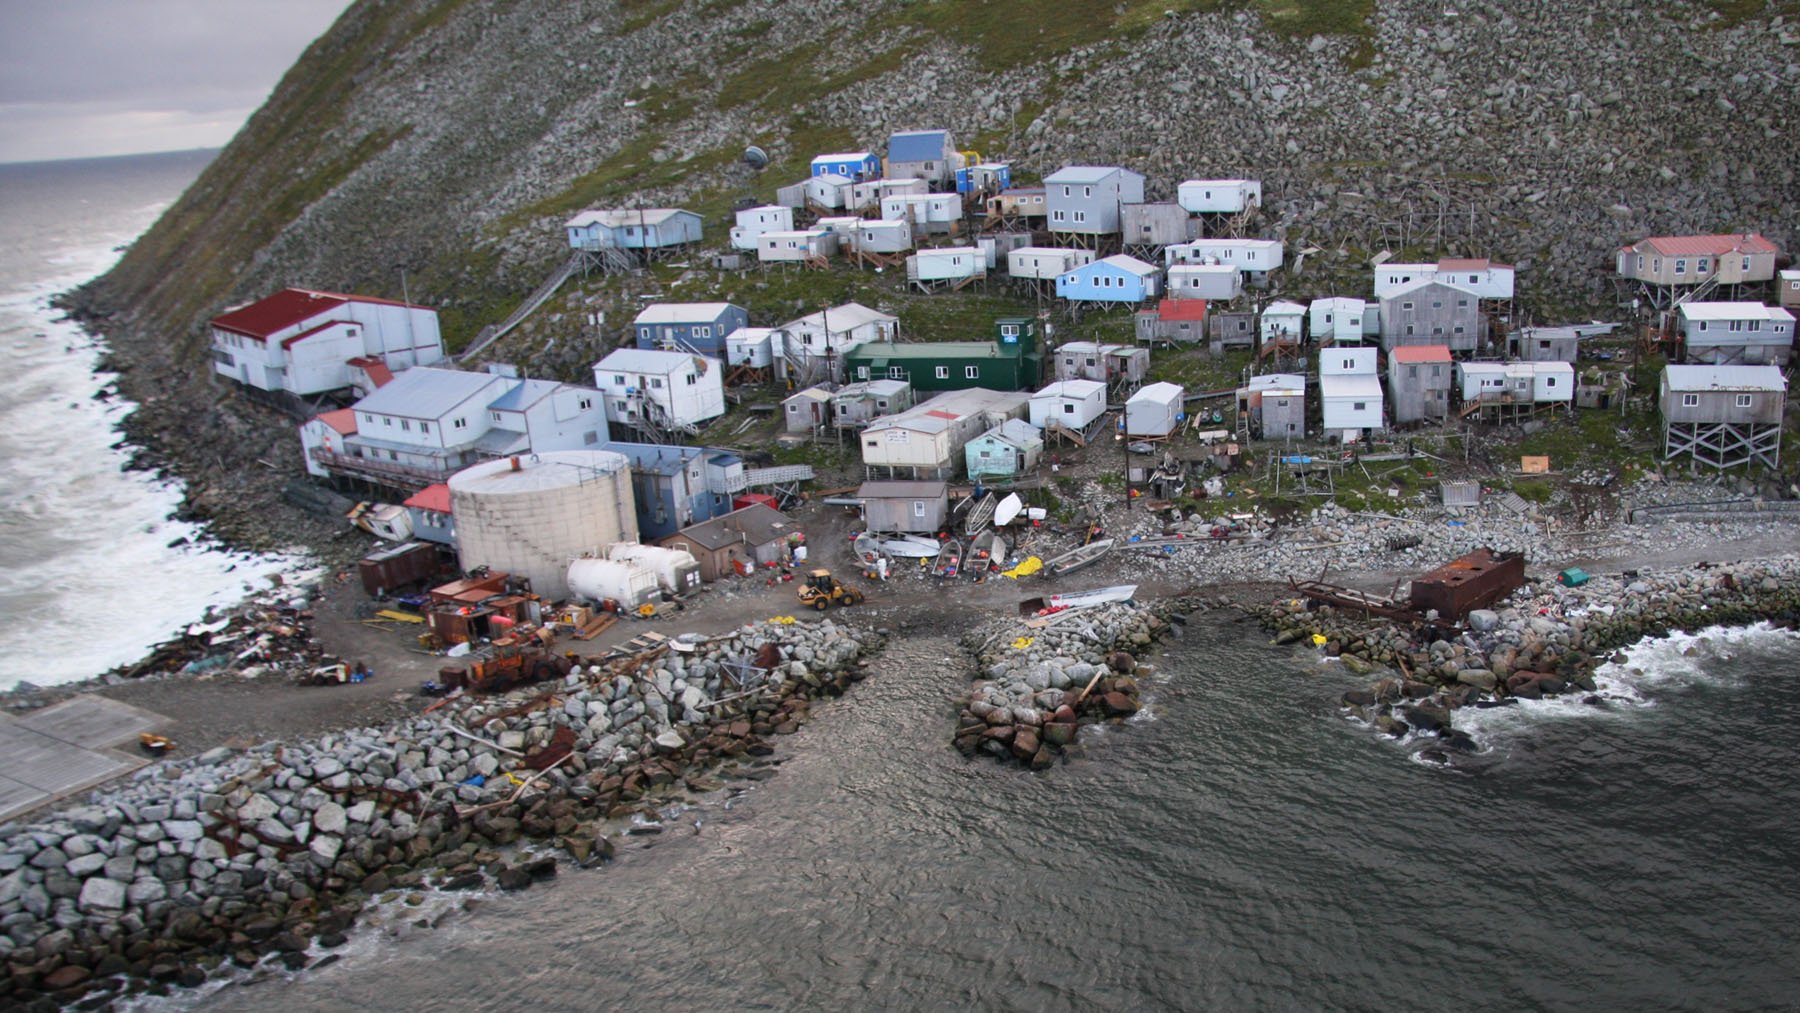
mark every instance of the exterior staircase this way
{"type": "Point", "coordinates": [494, 332]}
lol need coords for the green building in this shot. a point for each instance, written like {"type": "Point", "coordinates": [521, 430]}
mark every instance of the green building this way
{"type": "Point", "coordinates": [1011, 361]}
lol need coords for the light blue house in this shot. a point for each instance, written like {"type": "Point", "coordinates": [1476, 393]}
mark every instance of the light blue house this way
{"type": "Point", "coordinates": [1008, 450]}
{"type": "Point", "coordinates": [633, 229]}
{"type": "Point", "coordinates": [855, 166]}
{"type": "Point", "coordinates": [673, 487]}
{"type": "Point", "coordinates": [689, 326]}
{"type": "Point", "coordinates": [1114, 279]}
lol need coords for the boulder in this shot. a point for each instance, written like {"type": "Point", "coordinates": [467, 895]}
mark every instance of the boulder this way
{"type": "Point", "coordinates": [1480, 678]}
{"type": "Point", "coordinates": [1119, 704]}
{"type": "Point", "coordinates": [102, 896]}
{"type": "Point", "coordinates": [1484, 620]}
{"type": "Point", "coordinates": [1428, 717]}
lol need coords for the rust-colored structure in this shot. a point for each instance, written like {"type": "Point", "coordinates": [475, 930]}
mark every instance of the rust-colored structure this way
{"type": "Point", "coordinates": [1470, 582]}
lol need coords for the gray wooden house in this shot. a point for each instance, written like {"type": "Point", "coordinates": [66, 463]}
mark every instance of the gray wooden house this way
{"type": "Point", "coordinates": [1084, 200]}
{"type": "Point", "coordinates": [1153, 226]}
{"type": "Point", "coordinates": [1553, 344]}
{"type": "Point", "coordinates": [858, 403]}
{"type": "Point", "coordinates": [1723, 416]}
{"type": "Point", "coordinates": [1274, 406]}
{"type": "Point", "coordinates": [916, 507]}
{"type": "Point", "coordinates": [1420, 378]}
{"type": "Point", "coordinates": [1232, 329]}
{"type": "Point", "coordinates": [1429, 312]}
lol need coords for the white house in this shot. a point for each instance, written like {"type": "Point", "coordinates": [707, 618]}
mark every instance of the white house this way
{"type": "Point", "coordinates": [752, 346]}
{"type": "Point", "coordinates": [951, 264]}
{"type": "Point", "coordinates": [799, 246]}
{"type": "Point", "coordinates": [646, 388]}
{"type": "Point", "coordinates": [301, 342]}
{"type": "Point", "coordinates": [927, 440]}
{"type": "Point", "coordinates": [1337, 320]}
{"type": "Point", "coordinates": [824, 337]}
{"type": "Point", "coordinates": [1044, 263]}
{"type": "Point", "coordinates": [753, 222]}
{"type": "Point", "coordinates": [1350, 392]}
{"type": "Point", "coordinates": [325, 432]}
{"type": "Point", "coordinates": [868, 194]}
{"type": "Point", "coordinates": [928, 212]}
{"type": "Point", "coordinates": [883, 236]}
{"type": "Point", "coordinates": [830, 191]}
{"type": "Point", "coordinates": [1219, 282]}
{"type": "Point", "coordinates": [1251, 256]}
{"type": "Point", "coordinates": [633, 229]}
{"type": "Point", "coordinates": [1516, 382]}
{"type": "Point", "coordinates": [1154, 411]}
{"type": "Point", "coordinates": [1736, 333]}
{"type": "Point", "coordinates": [1219, 196]}
{"type": "Point", "coordinates": [1282, 321]}
{"type": "Point", "coordinates": [429, 422]}
{"type": "Point", "coordinates": [1481, 276]}
{"type": "Point", "coordinates": [1072, 404]}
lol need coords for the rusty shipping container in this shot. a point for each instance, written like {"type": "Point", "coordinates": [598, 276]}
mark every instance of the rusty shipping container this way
{"type": "Point", "coordinates": [398, 567]}
{"type": "Point", "coordinates": [1473, 581]}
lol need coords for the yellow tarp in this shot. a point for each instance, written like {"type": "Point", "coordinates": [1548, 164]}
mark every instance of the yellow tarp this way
{"type": "Point", "coordinates": [1028, 566]}
{"type": "Point", "coordinates": [400, 617]}
{"type": "Point", "coordinates": [1023, 642]}
{"type": "Point", "coordinates": [782, 620]}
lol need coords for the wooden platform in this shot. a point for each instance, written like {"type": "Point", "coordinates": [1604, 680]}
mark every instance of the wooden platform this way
{"type": "Point", "coordinates": [56, 752]}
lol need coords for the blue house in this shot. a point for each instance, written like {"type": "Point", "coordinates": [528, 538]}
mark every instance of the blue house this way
{"type": "Point", "coordinates": [929, 155]}
{"type": "Point", "coordinates": [1115, 279]}
{"type": "Point", "coordinates": [633, 229]}
{"type": "Point", "coordinates": [673, 487]}
{"type": "Point", "coordinates": [984, 177]}
{"type": "Point", "coordinates": [855, 166]}
{"type": "Point", "coordinates": [689, 326]}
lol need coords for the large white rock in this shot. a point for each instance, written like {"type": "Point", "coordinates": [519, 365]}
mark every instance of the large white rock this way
{"type": "Point", "coordinates": [329, 818]}
{"type": "Point", "coordinates": [102, 895]}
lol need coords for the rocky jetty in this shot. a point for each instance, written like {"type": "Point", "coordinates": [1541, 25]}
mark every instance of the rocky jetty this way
{"type": "Point", "coordinates": [269, 853]}
{"type": "Point", "coordinates": [1041, 685]}
{"type": "Point", "coordinates": [1546, 639]}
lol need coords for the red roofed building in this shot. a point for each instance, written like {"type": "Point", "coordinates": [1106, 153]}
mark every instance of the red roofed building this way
{"type": "Point", "coordinates": [303, 342]}
{"type": "Point", "coordinates": [1732, 259]}
{"type": "Point", "coordinates": [325, 431]}
{"type": "Point", "coordinates": [1419, 382]}
{"type": "Point", "coordinates": [430, 511]}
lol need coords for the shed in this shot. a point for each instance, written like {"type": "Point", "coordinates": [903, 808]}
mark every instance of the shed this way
{"type": "Point", "coordinates": [1154, 411]}
{"type": "Point", "coordinates": [805, 411]}
{"type": "Point", "coordinates": [1008, 450]}
{"type": "Point", "coordinates": [1218, 196]}
{"type": "Point", "coordinates": [867, 400]}
{"type": "Point", "coordinates": [1216, 282]}
{"type": "Point", "coordinates": [1071, 404]}
{"type": "Point", "coordinates": [1787, 288]}
{"type": "Point", "coordinates": [1275, 404]}
{"type": "Point", "coordinates": [738, 541]}
{"type": "Point", "coordinates": [1336, 320]}
{"type": "Point", "coordinates": [432, 520]}
{"type": "Point", "coordinates": [1231, 329]}
{"type": "Point", "coordinates": [999, 245]}
{"type": "Point", "coordinates": [983, 177]}
{"type": "Point", "coordinates": [917, 507]}
{"type": "Point", "coordinates": [1554, 344]}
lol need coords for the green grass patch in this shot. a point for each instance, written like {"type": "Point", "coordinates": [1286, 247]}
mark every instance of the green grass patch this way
{"type": "Point", "coordinates": [643, 13]}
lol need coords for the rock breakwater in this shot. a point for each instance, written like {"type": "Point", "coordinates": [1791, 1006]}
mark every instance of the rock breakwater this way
{"type": "Point", "coordinates": [1545, 640]}
{"type": "Point", "coordinates": [1040, 685]}
{"type": "Point", "coordinates": [270, 853]}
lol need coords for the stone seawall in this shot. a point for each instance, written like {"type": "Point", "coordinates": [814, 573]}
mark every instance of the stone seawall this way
{"type": "Point", "coordinates": [237, 855]}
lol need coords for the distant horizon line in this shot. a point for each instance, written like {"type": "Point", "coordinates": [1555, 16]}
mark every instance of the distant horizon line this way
{"type": "Point", "coordinates": [104, 158]}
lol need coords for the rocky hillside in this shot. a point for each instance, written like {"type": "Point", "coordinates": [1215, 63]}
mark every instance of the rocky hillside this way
{"type": "Point", "coordinates": [437, 144]}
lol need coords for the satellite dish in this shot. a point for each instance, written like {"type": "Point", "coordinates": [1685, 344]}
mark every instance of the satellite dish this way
{"type": "Point", "coordinates": [755, 157]}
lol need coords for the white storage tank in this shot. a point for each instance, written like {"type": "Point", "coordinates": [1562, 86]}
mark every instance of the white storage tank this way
{"type": "Point", "coordinates": [628, 583]}
{"type": "Point", "coordinates": [676, 569]}
{"type": "Point", "coordinates": [530, 515]}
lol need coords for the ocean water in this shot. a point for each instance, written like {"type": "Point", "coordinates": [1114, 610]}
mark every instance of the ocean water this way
{"type": "Point", "coordinates": [88, 577]}
{"type": "Point", "coordinates": [1240, 845]}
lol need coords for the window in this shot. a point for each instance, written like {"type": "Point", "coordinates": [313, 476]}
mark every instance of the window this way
{"type": "Point", "coordinates": [590, 437]}
{"type": "Point", "coordinates": [1281, 402]}
{"type": "Point", "coordinates": [703, 331]}
{"type": "Point", "coordinates": [918, 508]}
{"type": "Point", "coordinates": [584, 404]}
{"type": "Point", "coordinates": [405, 426]}
{"type": "Point", "coordinates": [1357, 406]}
{"type": "Point", "coordinates": [1747, 267]}
{"type": "Point", "coordinates": [971, 372]}
{"type": "Point", "coordinates": [942, 372]}
{"type": "Point", "coordinates": [1437, 304]}
{"type": "Point", "coordinates": [1472, 279]}
{"type": "Point", "coordinates": [1067, 191]}
{"type": "Point", "coordinates": [1081, 216]}
{"type": "Point", "coordinates": [862, 372]}
{"type": "Point", "coordinates": [425, 427]}
{"type": "Point", "coordinates": [691, 380]}
{"type": "Point", "coordinates": [1009, 330]}
{"type": "Point", "coordinates": [1349, 363]}
{"type": "Point", "coordinates": [1690, 400]}
{"type": "Point", "coordinates": [388, 421]}
{"type": "Point", "coordinates": [618, 379]}
{"type": "Point", "coordinates": [1455, 330]}
{"type": "Point", "coordinates": [656, 382]}
{"type": "Point", "coordinates": [1412, 372]}
{"type": "Point", "coordinates": [1068, 408]}
{"type": "Point", "coordinates": [459, 423]}
{"type": "Point", "coordinates": [1437, 370]}
{"type": "Point", "coordinates": [1543, 346]}
{"type": "Point", "coordinates": [1409, 330]}
{"type": "Point", "coordinates": [1406, 307]}
{"type": "Point", "coordinates": [1057, 215]}
{"type": "Point", "coordinates": [1549, 383]}
{"type": "Point", "coordinates": [644, 332]}
{"type": "Point", "coordinates": [1462, 304]}
{"type": "Point", "coordinates": [1701, 265]}
{"type": "Point", "coordinates": [896, 373]}
{"type": "Point", "coordinates": [1681, 266]}
{"type": "Point", "coordinates": [1087, 191]}
{"type": "Point", "coordinates": [1743, 400]}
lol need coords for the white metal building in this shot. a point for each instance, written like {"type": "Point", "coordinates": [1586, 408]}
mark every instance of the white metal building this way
{"type": "Point", "coordinates": [1072, 404]}
{"type": "Point", "coordinates": [1251, 256]}
{"type": "Point", "coordinates": [1217, 282]}
{"type": "Point", "coordinates": [1044, 263]}
{"type": "Point", "coordinates": [660, 388]}
{"type": "Point", "coordinates": [1219, 196]}
{"type": "Point", "coordinates": [1350, 392]}
{"type": "Point", "coordinates": [1154, 411]}
{"type": "Point", "coordinates": [1338, 320]}
{"type": "Point", "coordinates": [753, 222]}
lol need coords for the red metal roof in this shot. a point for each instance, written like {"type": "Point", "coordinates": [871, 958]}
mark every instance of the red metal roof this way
{"type": "Point", "coordinates": [1690, 246]}
{"type": "Point", "coordinates": [287, 308]}
{"type": "Point", "coordinates": [343, 420]}
{"type": "Point", "coordinates": [1421, 353]}
{"type": "Point", "coordinates": [435, 498]}
{"type": "Point", "coordinates": [939, 413]}
{"type": "Point", "coordinates": [1181, 309]}
{"type": "Point", "coordinates": [379, 373]}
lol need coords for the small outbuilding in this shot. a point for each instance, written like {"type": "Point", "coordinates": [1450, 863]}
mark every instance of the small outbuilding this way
{"type": "Point", "coordinates": [1154, 411]}
{"type": "Point", "coordinates": [1218, 196]}
{"type": "Point", "coordinates": [739, 541]}
{"type": "Point", "coordinates": [1213, 282]}
{"type": "Point", "coordinates": [1075, 405]}
{"type": "Point", "coordinates": [1008, 450]}
{"type": "Point", "coordinates": [806, 411]}
{"type": "Point", "coordinates": [1337, 320]}
{"type": "Point", "coordinates": [910, 507]}
{"type": "Point", "coordinates": [1420, 378]}
{"type": "Point", "coordinates": [1276, 406]}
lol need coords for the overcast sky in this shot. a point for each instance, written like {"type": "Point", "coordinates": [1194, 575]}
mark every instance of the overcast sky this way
{"type": "Point", "coordinates": [82, 78]}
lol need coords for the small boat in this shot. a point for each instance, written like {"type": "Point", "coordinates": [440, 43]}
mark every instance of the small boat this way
{"type": "Point", "coordinates": [1008, 510]}
{"type": "Point", "coordinates": [984, 549]}
{"type": "Point", "coordinates": [980, 515]}
{"type": "Point", "coordinates": [1098, 596]}
{"type": "Point", "coordinates": [866, 549]}
{"type": "Point", "coordinates": [1078, 557]}
{"type": "Point", "coordinates": [950, 559]}
{"type": "Point", "coordinates": [910, 547]}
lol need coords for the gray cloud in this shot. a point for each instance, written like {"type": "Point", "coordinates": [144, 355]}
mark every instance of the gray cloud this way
{"type": "Point", "coordinates": [80, 78]}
